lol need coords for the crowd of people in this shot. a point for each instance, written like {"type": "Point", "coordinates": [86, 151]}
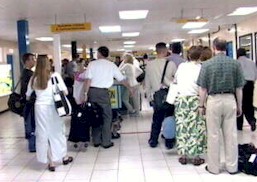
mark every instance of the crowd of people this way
{"type": "Point", "coordinates": [210, 88]}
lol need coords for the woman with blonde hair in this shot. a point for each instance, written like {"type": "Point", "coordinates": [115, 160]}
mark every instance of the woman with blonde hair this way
{"type": "Point", "coordinates": [50, 128]}
{"type": "Point", "coordinates": [131, 72]}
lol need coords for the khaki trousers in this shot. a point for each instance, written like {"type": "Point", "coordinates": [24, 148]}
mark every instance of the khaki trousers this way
{"type": "Point", "coordinates": [221, 116]}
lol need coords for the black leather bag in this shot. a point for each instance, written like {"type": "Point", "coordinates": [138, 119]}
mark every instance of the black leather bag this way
{"type": "Point", "coordinates": [141, 77]}
{"type": "Point", "coordinates": [161, 95]}
{"type": "Point", "coordinates": [16, 102]}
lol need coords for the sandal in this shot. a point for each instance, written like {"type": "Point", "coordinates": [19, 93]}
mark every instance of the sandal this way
{"type": "Point", "coordinates": [198, 161]}
{"type": "Point", "coordinates": [183, 160]}
{"type": "Point", "coordinates": [67, 161]}
{"type": "Point", "coordinates": [51, 168]}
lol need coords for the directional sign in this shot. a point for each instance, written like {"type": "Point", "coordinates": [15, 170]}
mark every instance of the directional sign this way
{"type": "Point", "coordinates": [58, 28]}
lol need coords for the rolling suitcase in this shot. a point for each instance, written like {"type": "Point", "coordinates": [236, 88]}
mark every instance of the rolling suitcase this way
{"type": "Point", "coordinates": [80, 126]}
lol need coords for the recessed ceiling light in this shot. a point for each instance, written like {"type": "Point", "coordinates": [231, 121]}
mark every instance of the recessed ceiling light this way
{"type": "Point", "coordinates": [130, 34]}
{"type": "Point", "coordinates": [45, 39]}
{"type": "Point", "coordinates": [110, 29]}
{"type": "Point", "coordinates": [120, 50]}
{"type": "Point", "coordinates": [198, 31]}
{"type": "Point", "coordinates": [129, 42]}
{"type": "Point", "coordinates": [129, 46]}
{"type": "Point", "coordinates": [198, 17]}
{"type": "Point", "coordinates": [95, 42]}
{"type": "Point", "coordinates": [79, 49]}
{"type": "Point", "coordinates": [151, 48]}
{"type": "Point", "coordinates": [177, 40]}
{"type": "Point", "coordinates": [192, 25]}
{"type": "Point", "coordinates": [132, 15]}
{"type": "Point", "coordinates": [243, 11]}
{"type": "Point", "coordinates": [66, 45]}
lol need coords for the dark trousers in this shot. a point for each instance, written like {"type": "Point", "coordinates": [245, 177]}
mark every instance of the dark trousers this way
{"type": "Point", "coordinates": [247, 106]}
{"type": "Point", "coordinates": [29, 122]}
{"type": "Point", "coordinates": [158, 117]}
{"type": "Point", "coordinates": [102, 135]}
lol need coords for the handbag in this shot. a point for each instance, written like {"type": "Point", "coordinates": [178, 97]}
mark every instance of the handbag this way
{"type": "Point", "coordinates": [161, 95]}
{"type": "Point", "coordinates": [16, 102]}
{"type": "Point", "coordinates": [172, 94]}
{"type": "Point", "coordinates": [62, 104]}
{"type": "Point", "coordinates": [141, 77]}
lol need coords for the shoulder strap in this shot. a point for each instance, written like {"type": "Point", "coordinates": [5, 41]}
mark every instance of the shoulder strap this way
{"type": "Point", "coordinates": [164, 71]}
{"type": "Point", "coordinates": [55, 83]}
{"type": "Point", "coordinates": [16, 85]}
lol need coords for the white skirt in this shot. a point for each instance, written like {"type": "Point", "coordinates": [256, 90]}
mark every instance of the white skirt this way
{"type": "Point", "coordinates": [50, 134]}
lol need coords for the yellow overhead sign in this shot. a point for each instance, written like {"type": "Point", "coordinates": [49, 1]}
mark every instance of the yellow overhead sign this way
{"type": "Point", "coordinates": [58, 28]}
{"type": "Point", "coordinates": [191, 20]}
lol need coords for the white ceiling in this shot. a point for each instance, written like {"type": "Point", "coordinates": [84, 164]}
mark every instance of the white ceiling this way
{"type": "Point", "coordinates": [160, 24]}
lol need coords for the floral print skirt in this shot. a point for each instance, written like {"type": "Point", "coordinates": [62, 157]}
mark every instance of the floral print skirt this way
{"type": "Point", "coordinates": [190, 127]}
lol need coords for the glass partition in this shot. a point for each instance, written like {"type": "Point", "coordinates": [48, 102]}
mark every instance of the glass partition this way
{"type": "Point", "coordinates": [255, 35]}
{"type": "Point", "coordinates": [246, 42]}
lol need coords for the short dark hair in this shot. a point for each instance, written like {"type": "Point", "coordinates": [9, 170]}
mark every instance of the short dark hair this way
{"type": "Point", "coordinates": [26, 56]}
{"type": "Point", "coordinates": [176, 48]}
{"type": "Point", "coordinates": [145, 56]}
{"type": "Point", "coordinates": [76, 56]}
{"type": "Point", "coordinates": [104, 51]}
{"type": "Point", "coordinates": [206, 53]}
{"type": "Point", "coordinates": [220, 44]}
{"type": "Point", "coordinates": [160, 46]}
{"type": "Point", "coordinates": [195, 52]}
{"type": "Point", "coordinates": [241, 52]}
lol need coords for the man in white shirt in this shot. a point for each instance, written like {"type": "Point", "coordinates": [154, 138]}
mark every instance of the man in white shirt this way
{"type": "Point", "coordinates": [250, 74]}
{"type": "Point", "coordinates": [99, 77]}
{"type": "Point", "coordinates": [154, 70]}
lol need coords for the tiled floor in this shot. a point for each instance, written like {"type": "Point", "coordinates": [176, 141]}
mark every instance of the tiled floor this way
{"type": "Point", "coordinates": [130, 160]}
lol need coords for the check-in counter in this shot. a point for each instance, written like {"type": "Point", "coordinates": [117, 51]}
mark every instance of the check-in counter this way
{"type": "Point", "coordinates": [3, 103]}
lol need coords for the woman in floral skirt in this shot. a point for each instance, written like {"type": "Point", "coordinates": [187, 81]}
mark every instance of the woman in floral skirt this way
{"type": "Point", "coordinates": [190, 126]}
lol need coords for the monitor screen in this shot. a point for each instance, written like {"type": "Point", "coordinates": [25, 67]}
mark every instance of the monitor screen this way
{"type": "Point", "coordinates": [5, 79]}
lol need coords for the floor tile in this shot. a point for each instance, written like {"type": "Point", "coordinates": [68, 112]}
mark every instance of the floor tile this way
{"type": "Point", "coordinates": [131, 159]}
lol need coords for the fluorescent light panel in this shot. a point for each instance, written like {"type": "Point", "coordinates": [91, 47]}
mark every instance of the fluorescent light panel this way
{"type": "Point", "coordinates": [191, 25]}
{"type": "Point", "coordinates": [177, 40]}
{"type": "Point", "coordinates": [130, 34]}
{"type": "Point", "coordinates": [66, 45]}
{"type": "Point", "coordinates": [120, 49]}
{"type": "Point", "coordinates": [132, 15]}
{"type": "Point", "coordinates": [129, 42]}
{"type": "Point", "coordinates": [110, 29]}
{"type": "Point", "coordinates": [45, 39]}
{"type": "Point", "coordinates": [128, 46]}
{"type": "Point", "coordinates": [243, 11]}
{"type": "Point", "coordinates": [198, 31]}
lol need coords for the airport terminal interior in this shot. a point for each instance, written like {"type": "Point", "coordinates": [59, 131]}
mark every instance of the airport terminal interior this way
{"type": "Point", "coordinates": [63, 29]}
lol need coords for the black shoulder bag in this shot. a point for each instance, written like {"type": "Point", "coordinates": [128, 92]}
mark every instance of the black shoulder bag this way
{"type": "Point", "coordinates": [15, 102]}
{"type": "Point", "coordinates": [161, 95]}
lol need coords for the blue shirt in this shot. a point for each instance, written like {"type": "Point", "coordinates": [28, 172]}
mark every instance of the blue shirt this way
{"type": "Point", "coordinates": [176, 58]}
